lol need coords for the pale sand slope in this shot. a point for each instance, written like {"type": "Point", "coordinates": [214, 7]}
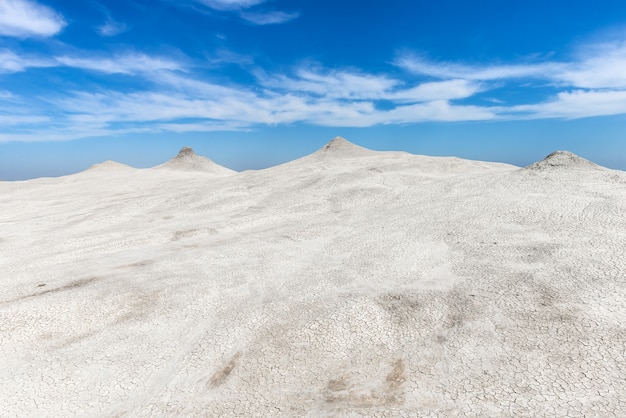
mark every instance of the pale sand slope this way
{"type": "Point", "coordinates": [347, 283]}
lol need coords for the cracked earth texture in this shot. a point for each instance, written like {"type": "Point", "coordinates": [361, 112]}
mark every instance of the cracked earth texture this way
{"type": "Point", "coordinates": [346, 283]}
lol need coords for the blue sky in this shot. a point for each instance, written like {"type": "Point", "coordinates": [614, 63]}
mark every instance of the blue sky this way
{"type": "Point", "coordinates": [253, 83]}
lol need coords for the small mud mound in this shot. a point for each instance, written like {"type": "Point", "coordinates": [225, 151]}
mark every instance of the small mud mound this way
{"type": "Point", "coordinates": [563, 160]}
{"type": "Point", "coordinates": [188, 160]}
{"type": "Point", "coordinates": [341, 148]}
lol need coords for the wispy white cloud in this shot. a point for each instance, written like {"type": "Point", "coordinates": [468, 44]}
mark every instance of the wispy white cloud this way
{"type": "Point", "coordinates": [248, 110]}
{"type": "Point", "coordinates": [352, 85]}
{"type": "Point", "coordinates": [230, 4]}
{"type": "Point", "coordinates": [129, 63]}
{"type": "Point", "coordinates": [572, 105]}
{"type": "Point", "coordinates": [601, 65]}
{"type": "Point", "coordinates": [248, 12]}
{"type": "Point", "coordinates": [420, 65]}
{"type": "Point", "coordinates": [25, 18]}
{"type": "Point", "coordinates": [15, 120]}
{"type": "Point", "coordinates": [597, 66]}
{"type": "Point", "coordinates": [365, 114]}
{"type": "Point", "coordinates": [438, 111]}
{"type": "Point", "coordinates": [179, 96]}
{"type": "Point", "coordinates": [10, 62]}
{"type": "Point", "coordinates": [336, 84]}
{"type": "Point", "coordinates": [226, 56]}
{"type": "Point", "coordinates": [67, 132]}
{"type": "Point", "coordinates": [437, 90]}
{"type": "Point", "coordinates": [592, 82]}
{"type": "Point", "coordinates": [111, 28]}
{"type": "Point", "coordinates": [209, 106]}
{"type": "Point", "coordinates": [204, 126]}
{"type": "Point", "coordinates": [125, 63]}
{"type": "Point", "coordinates": [269, 18]}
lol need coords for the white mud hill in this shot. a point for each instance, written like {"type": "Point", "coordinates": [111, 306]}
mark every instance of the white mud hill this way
{"type": "Point", "coordinates": [188, 160]}
{"type": "Point", "coordinates": [563, 160]}
{"type": "Point", "coordinates": [347, 283]}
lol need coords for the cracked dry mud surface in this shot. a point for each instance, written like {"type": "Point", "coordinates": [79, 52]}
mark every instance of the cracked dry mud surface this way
{"type": "Point", "coordinates": [347, 283]}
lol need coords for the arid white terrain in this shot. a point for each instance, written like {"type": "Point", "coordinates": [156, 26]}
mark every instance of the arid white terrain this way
{"type": "Point", "coordinates": [346, 283]}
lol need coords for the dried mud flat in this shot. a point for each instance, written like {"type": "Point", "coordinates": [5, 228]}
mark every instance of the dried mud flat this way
{"type": "Point", "coordinates": [346, 283]}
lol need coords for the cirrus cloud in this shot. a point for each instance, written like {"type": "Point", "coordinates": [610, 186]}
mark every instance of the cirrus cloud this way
{"type": "Point", "coordinates": [180, 95]}
{"type": "Point", "coordinates": [268, 18]}
{"type": "Point", "coordinates": [600, 65]}
{"type": "Point", "coordinates": [230, 4]}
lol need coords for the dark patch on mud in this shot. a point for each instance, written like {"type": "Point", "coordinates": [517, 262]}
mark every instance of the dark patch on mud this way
{"type": "Point", "coordinates": [536, 253]}
{"type": "Point", "coordinates": [70, 286]}
{"type": "Point", "coordinates": [137, 307]}
{"type": "Point", "coordinates": [402, 308]}
{"type": "Point", "coordinates": [141, 263]}
{"type": "Point", "coordinates": [337, 385]}
{"type": "Point", "coordinates": [551, 305]}
{"type": "Point", "coordinates": [178, 235]}
{"type": "Point", "coordinates": [76, 284]}
{"type": "Point", "coordinates": [220, 376]}
{"type": "Point", "coordinates": [461, 308]}
{"type": "Point", "coordinates": [394, 381]}
{"type": "Point", "coordinates": [78, 338]}
{"type": "Point", "coordinates": [389, 392]}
